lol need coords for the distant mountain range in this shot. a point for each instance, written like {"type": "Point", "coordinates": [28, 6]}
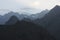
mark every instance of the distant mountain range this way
{"type": "Point", "coordinates": [21, 16]}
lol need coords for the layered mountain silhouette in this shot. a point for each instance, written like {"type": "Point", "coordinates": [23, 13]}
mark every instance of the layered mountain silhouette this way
{"type": "Point", "coordinates": [39, 15]}
{"type": "Point", "coordinates": [8, 15]}
{"type": "Point", "coordinates": [52, 21]}
{"type": "Point", "coordinates": [22, 27]}
{"type": "Point", "coordinates": [23, 30]}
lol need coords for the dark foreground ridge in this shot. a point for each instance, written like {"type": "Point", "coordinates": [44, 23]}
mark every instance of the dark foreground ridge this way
{"type": "Point", "coordinates": [52, 22]}
{"type": "Point", "coordinates": [23, 30]}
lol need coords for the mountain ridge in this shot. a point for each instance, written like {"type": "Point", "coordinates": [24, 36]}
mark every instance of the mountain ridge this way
{"type": "Point", "coordinates": [52, 21]}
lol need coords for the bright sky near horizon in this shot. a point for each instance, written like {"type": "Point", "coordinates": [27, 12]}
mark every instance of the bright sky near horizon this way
{"type": "Point", "coordinates": [38, 4]}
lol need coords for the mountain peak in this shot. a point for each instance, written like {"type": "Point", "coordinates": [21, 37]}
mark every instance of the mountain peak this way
{"type": "Point", "coordinates": [57, 7]}
{"type": "Point", "coordinates": [55, 10]}
{"type": "Point", "coordinates": [12, 20]}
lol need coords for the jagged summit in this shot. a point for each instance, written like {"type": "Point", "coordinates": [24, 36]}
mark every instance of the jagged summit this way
{"type": "Point", "coordinates": [55, 10]}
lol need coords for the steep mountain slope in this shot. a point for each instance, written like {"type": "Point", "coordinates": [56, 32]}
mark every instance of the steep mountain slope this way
{"type": "Point", "coordinates": [38, 15]}
{"type": "Point", "coordinates": [52, 21]}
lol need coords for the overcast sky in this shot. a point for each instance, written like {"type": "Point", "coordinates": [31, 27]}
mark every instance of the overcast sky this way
{"type": "Point", "coordinates": [37, 4]}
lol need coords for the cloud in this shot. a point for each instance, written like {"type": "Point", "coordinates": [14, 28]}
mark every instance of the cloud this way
{"type": "Point", "coordinates": [43, 3]}
{"type": "Point", "coordinates": [17, 4]}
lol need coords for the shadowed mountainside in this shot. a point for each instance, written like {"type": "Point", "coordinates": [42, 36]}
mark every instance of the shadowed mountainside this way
{"type": "Point", "coordinates": [23, 30]}
{"type": "Point", "coordinates": [52, 21]}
